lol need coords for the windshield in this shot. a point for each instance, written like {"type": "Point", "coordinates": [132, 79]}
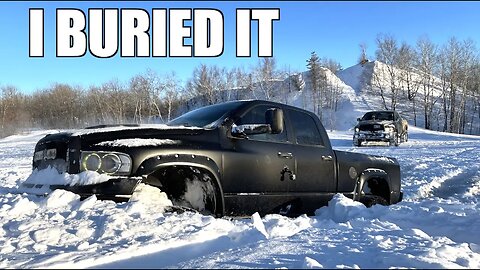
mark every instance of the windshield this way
{"type": "Point", "coordinates": [378, 116]}
{"type": "Point", "coordinates": [204, 116]}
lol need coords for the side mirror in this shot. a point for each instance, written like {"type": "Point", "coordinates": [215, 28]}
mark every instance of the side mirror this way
{"type": "Point", "coordinates": [274, 118]}
{"type": "Point", "coordinates": [358, 119]}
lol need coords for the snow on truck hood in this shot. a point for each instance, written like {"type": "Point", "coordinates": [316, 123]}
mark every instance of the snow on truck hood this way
{"type": "Point", "coordinates": [382, 122]}
{"type": "Point", "coordinates": [135, 142]}
{"type": "Point", "coordinates": [87, 131]}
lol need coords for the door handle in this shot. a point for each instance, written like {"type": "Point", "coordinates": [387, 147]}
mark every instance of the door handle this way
{"type": "Point", "coordinates": [285, 155]}
{"type": "Point", "coordinates": [327, 158]}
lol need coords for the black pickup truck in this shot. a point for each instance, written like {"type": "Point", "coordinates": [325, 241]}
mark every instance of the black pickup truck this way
{"type": "Point", "coordinates": [238, 157]}
{"type": "Point", "coordinates": [381, 126]}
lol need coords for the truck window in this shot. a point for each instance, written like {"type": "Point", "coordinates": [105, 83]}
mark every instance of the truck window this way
{"type": "Point", "coordinates": [306, 131]}
{"type": "Point", "coordinates": [204, 116]}
{"type": "Point", "coordinates": [257, 116]}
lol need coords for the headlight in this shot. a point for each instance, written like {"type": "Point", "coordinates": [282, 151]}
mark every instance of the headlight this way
{"type": "Point", "coordinates": [92, 162]}
{"type": "Point", "coordinates": [389, 129]}
{"type": "Point", "coordinates": [106, 162]}
{"type": "Point", "coordinates": [357, 129]}
{"type": "Point", "coordinates": [111, 163]}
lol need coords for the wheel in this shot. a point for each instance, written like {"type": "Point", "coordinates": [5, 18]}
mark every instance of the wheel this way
{"type": "Point", "coordinates": [188, 188]}
{"type": "Point", "coordinates": [370, 200]}
{"type": "Point", "coordinates": [405, 136]}
{"type": "Point", "coordinates": [396, 140]}
{"type": "Point", "coordinates": [199, 194]}
{"type": "Point", "coordinates": [357, 144]}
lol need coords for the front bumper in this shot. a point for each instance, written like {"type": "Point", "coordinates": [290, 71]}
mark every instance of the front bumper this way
{"type": "Point", "coordinates": [117, 189]}
{"type": "Point", "coordinates": [366, 136]}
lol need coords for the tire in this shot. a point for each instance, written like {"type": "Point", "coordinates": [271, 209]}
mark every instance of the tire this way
{"type": "Point", "coordinates": [358, 144]}
{"type": "Point", "coordinates": [370, 200]}
{"type": "Point", "coordinates": [405, 136]}
{"type": "Point", "coordinates": [188, 188]}
{"type": "Point", "coordinates": [396, 140]}
{"type": "Point", "coordinates": [203, 182]}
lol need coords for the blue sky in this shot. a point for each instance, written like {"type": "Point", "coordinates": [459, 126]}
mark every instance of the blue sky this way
{"type": "Point", "coordinates": [332, 29]}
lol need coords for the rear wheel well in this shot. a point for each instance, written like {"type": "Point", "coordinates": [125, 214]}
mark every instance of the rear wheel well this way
{"type": "Point", "coordinates": [376, 187]}
{"type": "Point", "coordinates": [189, 186]}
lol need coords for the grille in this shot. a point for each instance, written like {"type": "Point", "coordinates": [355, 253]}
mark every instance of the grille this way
{"type": "Point", "coordinates": [371, 127]}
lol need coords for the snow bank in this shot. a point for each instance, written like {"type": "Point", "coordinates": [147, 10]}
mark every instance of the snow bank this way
{"type": "Point", "coordinates": [61, 198]}
{"type": "Point", "coordinates": [50, 176]}
{"type": "Point", "coordinates": [311, 264]}
{"type": "Point", "coordinates": [341, 209]}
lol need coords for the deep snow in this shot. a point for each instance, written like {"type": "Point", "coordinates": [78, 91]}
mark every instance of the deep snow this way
{"type": "Point", "coordinates": [436, 226]}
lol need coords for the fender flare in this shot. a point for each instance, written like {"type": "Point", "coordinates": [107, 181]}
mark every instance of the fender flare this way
{"type": "Point", "coordinates": [158, 162]}
{"type": "Point", "coordinates": [366, 175]}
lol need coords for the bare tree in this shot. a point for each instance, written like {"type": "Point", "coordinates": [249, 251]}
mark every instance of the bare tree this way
{"type": "Point", "coordinates": [207, 81]}
{"type": "Point", "coordinates": [363, 59]}
{"type": "Point", "coordinates": [330, 64]}
{"type": "Point", "coordinates": [244, 83]}
{"type": "Point", "coordinates": [408, 75]}
{"type": "Point", "coordinates": [139, 92]}
{"type": "Point", "coordinates": [387, 52]}
{"type": "Point", "coordinates": [451, 73]}
{"type": "Point", "coordinates": [377, 82]}
{"type": "Point", "coordinates": [426, 63]}
{"type": "Point", "coordinates": [13, 114]}
{"type": "Point", "coordinates": [172, 92]}
{"type": "Point", "coordinates": [266, 76]}
{"type": "Point", "coordinates": [469, 61]}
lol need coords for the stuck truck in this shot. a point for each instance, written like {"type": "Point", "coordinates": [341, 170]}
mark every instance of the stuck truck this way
{"type": "Point", "coordinates": [233, 158]}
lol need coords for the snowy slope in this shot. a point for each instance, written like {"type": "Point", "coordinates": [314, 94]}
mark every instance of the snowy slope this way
{"type": "Point", "coordinates": [436, 226]}
{"type": "Point", "coordinates": [356, 76]}
{"type": "Point", "coordinates": [368, 79]}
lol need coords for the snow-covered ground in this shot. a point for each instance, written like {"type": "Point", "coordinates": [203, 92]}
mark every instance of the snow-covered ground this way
{"type": "Point", "coordinates": [436, 226]}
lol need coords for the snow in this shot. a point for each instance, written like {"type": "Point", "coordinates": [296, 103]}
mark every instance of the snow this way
{"type": "Point", "coordinates": [354, 76]}
{"type": "Point", "coordinates": [38, 181]}
{"type": "Point", "coordinates": [436, 226]}
{"type": "Point", "coordinates": [81, 132]}
{"type": "Point", "coordinates": [194, 193]}
{"type": "Point", "coordinates": [242, 128]}
{"type": "Point", "coordinates": [136, 142]}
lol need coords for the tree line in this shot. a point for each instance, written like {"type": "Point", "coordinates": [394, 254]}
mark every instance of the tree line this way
{"type": "Point", "coordinates": [440, 83]}
{"type": "Point", "coordinates": [148, 97]}
{"type": "Point", "coordinates": [433, 83]}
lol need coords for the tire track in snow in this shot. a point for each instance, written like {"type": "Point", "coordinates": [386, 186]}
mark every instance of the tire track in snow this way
{"type": "Point", "coordinates": [454, 182]}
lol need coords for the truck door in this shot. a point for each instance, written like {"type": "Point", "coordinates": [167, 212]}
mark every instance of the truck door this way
{"type": "Point", "coordinates": [315, 160]}
{"type": "Point", "coordinates": [253, 168]}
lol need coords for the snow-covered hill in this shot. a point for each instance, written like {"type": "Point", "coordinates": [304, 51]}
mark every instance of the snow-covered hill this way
{"type": "Point", "coordinates": [356, 90]}
{"type": "Point", "coordinates": [436, 226]}
{"type": "Point", "coordinates": [368, 81]}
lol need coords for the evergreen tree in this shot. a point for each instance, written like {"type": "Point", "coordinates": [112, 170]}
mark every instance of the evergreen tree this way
{"type": "Point", "coordinates": [315, 74]}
